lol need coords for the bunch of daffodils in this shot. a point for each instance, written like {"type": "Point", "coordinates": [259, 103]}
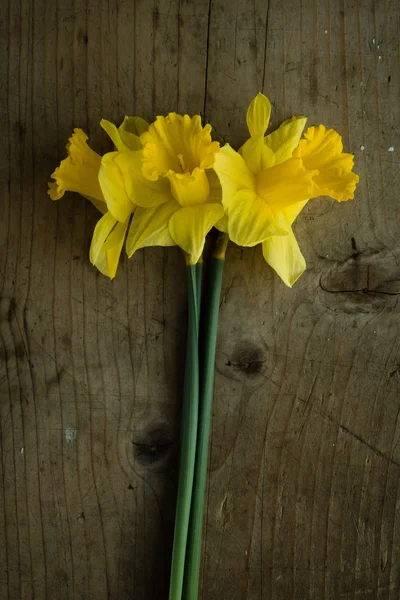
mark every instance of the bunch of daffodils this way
{"type": "Point", "coordinates": [157, 188]}
{"type": "Point", "coordinates": [168, 184]}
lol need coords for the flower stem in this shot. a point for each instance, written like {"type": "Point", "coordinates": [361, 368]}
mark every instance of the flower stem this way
{"type": "Point", "coordinates": [199, 276]}
{"type": "Point", "coordinates": [208, 343]}
{"type": "Point", "coordinates": [188, 441]}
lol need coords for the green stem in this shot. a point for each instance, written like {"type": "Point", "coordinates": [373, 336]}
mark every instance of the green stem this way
{"type": "Point", "coordinates": [199, 276]}
{"type": "Point", "coordinates": [188, 442]}
{"type": "Point", "coordinates": [208, 343]}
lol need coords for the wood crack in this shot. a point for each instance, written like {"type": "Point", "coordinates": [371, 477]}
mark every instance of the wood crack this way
{"type": "Point", "coordinates": [265, 44]}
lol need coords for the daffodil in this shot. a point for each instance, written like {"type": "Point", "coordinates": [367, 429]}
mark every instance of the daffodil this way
{"type": "Point", "coordinates": [269, 181]}
{"type": "Point", "coordinates": [80, 172]}
{"type": "Point", "coordinates": [171, 182]}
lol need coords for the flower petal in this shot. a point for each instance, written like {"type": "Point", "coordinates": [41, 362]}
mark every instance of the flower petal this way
{"type": "Point", "coordinates": [189, 226]}
{"type": "Point", "coordinates": [322, 150]}
{"type": "Point", "coordinates": [149, 227]}
{"type": "Point", "coordinates": [232, 172]}
{"type": "Point", "coordinates": [113, 187]}
{"type": "Point", "coordinates": [122, 139]}
{"type": "Point", "coordinates": [291, 212]}
{"type": "Point", "coordinates": [285, 184]}
{"type": "Point", "coordinates": [134, 125]}
{"type": "Point", "coordinates": [250, 219]}
{"type": "Point", "coordinates": [286, 138]}
{"type": "Point", "coordinates": [257, 155]}
{"type": "Point", "coordinates": [140, 190]}
{"type": "Point", "coordinates": [113, 133]}
{"type": "Point", "coordinates": [101, 232]}
{"type": "Point", "coordinates": [116, 235]}
{"type": "Point", "coordinates": [222, 224]}
{"type": "Point", "coordinates": [113, 253]}
{"type": "Point", "coordinates": [108, 239]}
{"type": "Point", "coordinates": [99, 204]}
{"type": "Point", "coordinates": [79, 171]}
{"type": "Point", "coordinates": [283, 254]}
{"type": "Point", "coordinates": [258, 115]}
{"type": "Point", "coordinates": [215, 194]}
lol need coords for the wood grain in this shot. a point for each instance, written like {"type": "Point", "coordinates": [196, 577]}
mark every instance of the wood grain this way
{"type": "Point", "coordinates": [303, 494]}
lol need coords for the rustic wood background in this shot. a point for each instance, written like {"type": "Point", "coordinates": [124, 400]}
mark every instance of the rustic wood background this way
{"type": "Point", "coordinates": [303, 496]}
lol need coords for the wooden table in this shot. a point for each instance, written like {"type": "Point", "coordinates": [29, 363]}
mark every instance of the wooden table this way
{"type": "Point", "coordinates": [303, 494]}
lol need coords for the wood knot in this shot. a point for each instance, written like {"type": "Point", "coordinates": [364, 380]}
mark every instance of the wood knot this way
{"type": "Point", "coordinates": [82, 37]}
{"type": "Point", "coordinates": [364, 282]}
{"type": "Point", "coordinates": [247, 359]}
{"type": "Point", "coordinates": [154, 446]}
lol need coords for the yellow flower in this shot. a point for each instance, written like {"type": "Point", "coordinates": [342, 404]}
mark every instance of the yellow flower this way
{"type": "Point", "coordinates": [79, 172]}
{"type": "Point", "coordinates": [269, 181]}
{"type": "Point", "coordinates": [172, 182]}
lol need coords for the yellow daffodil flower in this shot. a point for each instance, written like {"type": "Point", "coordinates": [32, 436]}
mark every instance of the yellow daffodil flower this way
{"type": "Point", "coordinates": [80, 171]}
{"type": "Point", "coordinates": [171, 182]}
{"type": "Point", "coordinates": [269, 181]}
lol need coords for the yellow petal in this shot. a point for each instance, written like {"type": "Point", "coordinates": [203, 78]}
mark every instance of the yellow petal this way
{"type": "Point", "coordinates": [130, 140]}
{"type": "Point", "coordinates": [113, 187]}
{"type": "Point", "coordinates": [101, 232]}
{"type": "Point", "coordinates": [109, 264]}
{"type": "Point", "coordinates": [232, 172]}
{"type": "Point", "coordinates": [258, 115]}
{"type": "Point", "coordinates": [116, 235]}
{"type": "Point", "coordinates": [285, 184]}
{"type": "Point", "coordinates": [113, 253]}
{"type": "Point", "coordinates": [149, 227]}
{"type": "Point", "coordinates": [140, 190]}
{"type": "Point", "coordinates": [99, 204]}
{"type": "Point", "coordinates": [222, 224]}
{"type": "Point", "coordinates": [122, 139]}
{"type": "Point", "coordinates": [101, 264]}
{"type": "Point", "coordinates": [283, 254]}
{"type": "Point", "coordinates": [177, 143]}
{"type": "Point", "coordinates": [189, 226]}
{"type": "Point", "coordinates": [189, 188]}
{"type": "Point", "coordinates": [113, 133]}
{"type": "Point", "coordinates": [216, 197]}
{"type": "Point", "coordinates": [134, 125]}
{"type": "Point", "coordinates": [286, 138]}
{"type": "Point", "coordinates": [79, 171]}
{"type": "Point", "coordinates": [215, 194]}
{"type": "Point", "coordinates": [108, 239]}
{"type": "Point", "coordinates": [321, 150]}
{"type": "Point", "coordinates": [257, 155]}
{"type": "Point", "coordinates": [291, 212]}
{"type": "Point", "coordinates": [250, 219]}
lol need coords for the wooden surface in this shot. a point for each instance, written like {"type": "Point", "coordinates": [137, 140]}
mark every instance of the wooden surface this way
{"type": "Point", "coordinates": [303, 496]}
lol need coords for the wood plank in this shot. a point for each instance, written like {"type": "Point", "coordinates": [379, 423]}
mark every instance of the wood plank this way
{"type": "Point", "coordinates": [303, 487]}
